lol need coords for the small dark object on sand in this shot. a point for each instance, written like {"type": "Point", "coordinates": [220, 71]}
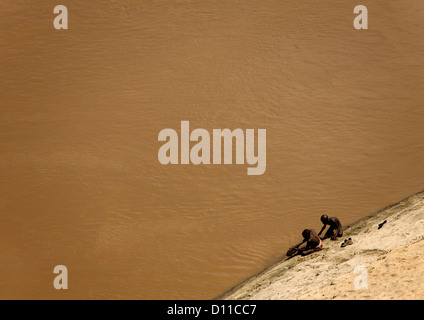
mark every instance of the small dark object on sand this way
{"type": "Point", "coordinates": [346, 242]}
{"type": "Point", "coordinates": [382, 224]}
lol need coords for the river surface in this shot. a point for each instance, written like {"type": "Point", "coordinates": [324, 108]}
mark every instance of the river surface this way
{"type": "Point", "coordinates": [81, 109]}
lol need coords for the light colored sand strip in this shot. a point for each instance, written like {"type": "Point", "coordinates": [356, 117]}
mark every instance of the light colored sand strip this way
{"type": "Point", "coordinates": [393, 257]}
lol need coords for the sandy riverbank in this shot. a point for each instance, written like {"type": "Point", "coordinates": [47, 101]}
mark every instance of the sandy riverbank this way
{"type": "Point", "coordinates": [393, 257]}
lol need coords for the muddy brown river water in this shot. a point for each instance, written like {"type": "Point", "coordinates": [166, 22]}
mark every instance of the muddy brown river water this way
{"type": "Point", "coordinates": [81, 109]}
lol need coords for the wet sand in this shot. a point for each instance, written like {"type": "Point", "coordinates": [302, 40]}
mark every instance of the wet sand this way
{"type": "Point", "coordinates": [392, 256]}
